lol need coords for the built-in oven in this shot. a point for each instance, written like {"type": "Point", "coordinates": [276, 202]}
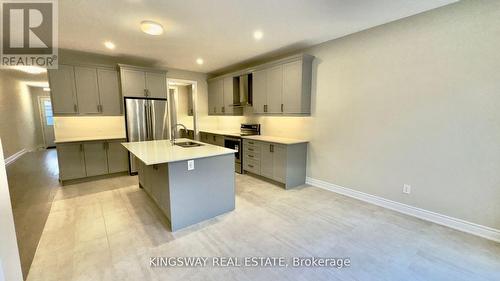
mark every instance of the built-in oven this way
{"type": "Point", "coordinates": [235, 143]}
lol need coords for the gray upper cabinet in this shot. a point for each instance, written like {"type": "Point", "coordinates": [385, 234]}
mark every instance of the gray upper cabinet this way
{"type": "Point", "coordinates": [117, 157]}
{"type": "Point", "coordinates": [281, 87]}
{"type": "Point", "coordinates": [274, 89]}
{"type": "Point", "coordinates": [71, 161]}
{"type": "Point", "coordinates": [222, 96]}
{"type": "Point", "coordinates": [109, 92]}
{"type": "Point", "coordinates": [62, 90]}
{"type": "Point", "coordinates": [82, 90]}
{"type": "Point", "coordinates": [87, 90]}
{"type": "Point", "coordinates": [259, 89]}
{"type": "Point", "coordinates": [137, 82]}
{"type": "Point", "coordinates": [133, 82]}
{"type": "Point", "coordinates": [212, 91]}
{"type": "Point", "coordinates": [96, 159]}
{"type": "Point", "coordinates": [156, 85]}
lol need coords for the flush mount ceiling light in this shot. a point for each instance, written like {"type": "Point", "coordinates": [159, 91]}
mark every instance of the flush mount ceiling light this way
{"type": "Point", "coordinates": [151, 27]}
{"type": "Point", "coordinates": [30, 69]}
{"type": "Point", "coordinates": [199, 61]}
{"type": "Point", "coordinates": [258, 35]}
{"type": "Point", "coordinates": [46, 89]}
{"type": "Point", "coordinates": [110, 45]}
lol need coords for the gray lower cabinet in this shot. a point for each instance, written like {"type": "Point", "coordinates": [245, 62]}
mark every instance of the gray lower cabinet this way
{"type": "Point", "coordinates": [93, 158]}
{"type": "Point", "coordinates": [284, 163]}
{"type": "Point", "coordinates": [71, 161]}
{"type": "Point", "coordinates": [117, 157]}
{"type": "Point", "coordinates": [96, 159]}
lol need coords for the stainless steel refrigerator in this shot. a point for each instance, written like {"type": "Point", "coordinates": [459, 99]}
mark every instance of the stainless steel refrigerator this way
{"type": "Point", "coordinates": [145, 119]}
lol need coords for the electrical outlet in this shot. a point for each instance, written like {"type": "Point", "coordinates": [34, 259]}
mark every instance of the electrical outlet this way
{"type": "Point", "coordinates": [407, 188]}
{"type": "Point", "coordinates": [190, 165]}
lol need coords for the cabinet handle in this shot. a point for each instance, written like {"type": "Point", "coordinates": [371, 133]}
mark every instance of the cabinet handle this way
{"type": "Point", "coordinates": [271, 148]}
{"type": "Point", "coordinates": [145, 92]}
{"type": "Point", "coordinates": [75, 108]}
{"type": "Point", "coordinates": [214, 138]}
{"type": "Point", "coordinates": [264, 107]}
{"type": "Point", "coordinates": [155, 167]}
{"type": "Point", "coordinates": [223, 110]}
{"type": "Point", "coordinates": [251, 166]}
{"type": "Point", "coordinates": [251, 149]}
{"type": "Point", "coordinates": [281, 107]}
{"type": "Point", "coordinates": [81, 147]}
{"type": "Point", "coordinates": [251, 156]}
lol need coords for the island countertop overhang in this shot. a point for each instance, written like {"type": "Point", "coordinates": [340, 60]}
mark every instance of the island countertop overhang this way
{"type": "Point", "coordinates": [162, 151]}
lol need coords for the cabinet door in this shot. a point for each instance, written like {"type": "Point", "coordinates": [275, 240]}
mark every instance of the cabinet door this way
{"type": "Point", "coordinates": [259, 91]}
{"type": "Point", "coordinates": [87, 91]}
{"type": "Point", "coordinates": [156, 84]}
{"type": "Point", "coordinates": [96, 160]}
{"type": "Point", "coordinates": [71, 161]}
{"type": "Point", "coordinates": [109, 92]}
{"type": "Point", "coordinates": [219, 97]}
{"type": "Point", "coordinates": [117, 157]}
{"type": "Point", "coordinates": [279, 162]}
{"type": "Point", "coordinates": [148, 178]}
{"type": "Point", "coordinates": [219, 140]}
{"type": "Point", "coordinates": [274, 89]}
{"type": "Point", "coordinates": [62, 89]}
{"type": "Point", "coordinates": [228, 95]}
{"type": "Point", "coordinates": [292, 87]}
{"type": "Point", "coordinates": [133, 83]}
{"type": "Point", "coordinates": [212, 97]}
{"type": "Point", "coordinates": [266, 160]}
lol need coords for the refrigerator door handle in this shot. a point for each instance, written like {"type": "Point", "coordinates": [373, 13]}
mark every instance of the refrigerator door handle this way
{"type": "Point", "coordinates": [146, 119]}
{"type": "Point", "coordinates": [149, 125]}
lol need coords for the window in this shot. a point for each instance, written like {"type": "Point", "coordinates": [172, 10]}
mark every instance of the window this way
{"type": "Point", "coordinates": [49, 117]}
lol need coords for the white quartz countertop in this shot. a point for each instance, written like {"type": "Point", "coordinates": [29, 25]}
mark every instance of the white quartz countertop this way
{"type": "Point", "coordinates": [222, 132]}
{"type": "Point", "coordinates": [89, 138]}
{"type": "Point", "coordinates": [162, 151]}
{"type": "Point", "coordinates": [275, 139]}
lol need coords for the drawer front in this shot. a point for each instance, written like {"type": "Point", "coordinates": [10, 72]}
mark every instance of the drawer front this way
{"type": "Point", "coordinates": [247, 142]}
{"type": "Point", "coordinates": [252, 166]}
{"type": "Point", "coordinates": [252, 148]}
{"type": "Point", "coordinates": [251, 155]}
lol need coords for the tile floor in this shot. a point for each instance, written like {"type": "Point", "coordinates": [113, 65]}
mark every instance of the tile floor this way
{"type": "Point", "coordinates": [109, 229]}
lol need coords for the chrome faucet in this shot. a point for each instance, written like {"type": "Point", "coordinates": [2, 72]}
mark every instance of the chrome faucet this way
{"type": "Point", "coordinates": [172, 139]}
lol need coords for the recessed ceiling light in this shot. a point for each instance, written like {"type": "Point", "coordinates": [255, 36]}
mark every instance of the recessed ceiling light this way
{"type": "Point", "coordinates": [199, 61]}
{"type": "Point", "coordinates": [258, 34]}
{"type": "Point", "coordinates": [30, 69]}
{"type": "Point", "coordinates": [151, 27]}
{"type": "Point", "coordinates": [110, 45]}
{"type": "Point", "coordinates": [46, 89]}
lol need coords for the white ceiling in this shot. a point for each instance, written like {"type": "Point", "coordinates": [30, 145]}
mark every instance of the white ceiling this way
{"type": "Point", "coordinates": [220, 31]}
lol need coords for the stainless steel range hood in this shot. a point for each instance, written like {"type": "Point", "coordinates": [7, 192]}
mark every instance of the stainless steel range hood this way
{"type": "Point", "coordinates": [245, 91]}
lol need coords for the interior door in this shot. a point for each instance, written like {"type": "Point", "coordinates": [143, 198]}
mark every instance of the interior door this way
{"type": "Point", "coordinates": [47, 121]}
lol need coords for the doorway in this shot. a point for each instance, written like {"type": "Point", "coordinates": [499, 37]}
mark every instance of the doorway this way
{"type": "Point", "coordinates": [183, 97]}
{"type": "Point", "coordinates": [47, 121]}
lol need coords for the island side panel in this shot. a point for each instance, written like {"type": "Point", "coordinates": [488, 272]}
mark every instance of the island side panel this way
{"type": "Point", "coordinates": [202, 193]}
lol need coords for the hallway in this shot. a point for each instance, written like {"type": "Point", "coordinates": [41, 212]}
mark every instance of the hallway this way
{"type": "Point", "coordinates": [33, 183]}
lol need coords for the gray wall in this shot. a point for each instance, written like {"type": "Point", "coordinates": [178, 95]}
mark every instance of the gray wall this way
{"type": "Point", "coordinates": [415, 101]}
{"type": "Point", "coordinates": [17, 127]}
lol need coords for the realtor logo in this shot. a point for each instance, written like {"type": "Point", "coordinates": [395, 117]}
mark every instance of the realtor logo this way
{"type": "Point", "coordinates": [29, 33]}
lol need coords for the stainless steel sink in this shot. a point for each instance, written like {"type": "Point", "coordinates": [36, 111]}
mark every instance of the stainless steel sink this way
{"type": "Point", "coordinates": [188, 144]}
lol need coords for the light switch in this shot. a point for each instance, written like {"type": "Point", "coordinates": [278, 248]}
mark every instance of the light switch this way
{"type": "Point", "coordinates": [190, 165]}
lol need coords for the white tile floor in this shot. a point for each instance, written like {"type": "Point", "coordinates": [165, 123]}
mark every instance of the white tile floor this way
{"type": "Point", "coordinates": [109, 229]}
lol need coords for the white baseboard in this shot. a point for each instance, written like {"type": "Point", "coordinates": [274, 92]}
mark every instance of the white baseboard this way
{"type": "Point", "coordinates": [9, 160]}
{"type": "Point", "coordinates": [458, 224]}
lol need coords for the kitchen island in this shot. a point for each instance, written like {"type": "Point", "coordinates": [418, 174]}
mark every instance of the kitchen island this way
{"type": "Point", "coordinates": [189, 184]}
